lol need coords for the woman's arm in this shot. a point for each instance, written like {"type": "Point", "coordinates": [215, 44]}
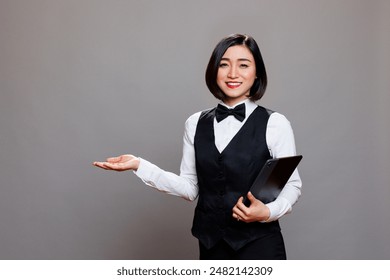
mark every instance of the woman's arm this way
{"type": "Point", "coordinates": [185, 185]}
{"type": "Point", "coordinates": [281, 143]}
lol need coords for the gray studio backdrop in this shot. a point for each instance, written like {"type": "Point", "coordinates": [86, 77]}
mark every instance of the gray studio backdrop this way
{"type": "Point", "coordinates": [84, 80]}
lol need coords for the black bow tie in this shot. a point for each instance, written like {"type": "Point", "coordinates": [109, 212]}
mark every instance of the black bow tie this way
{"type": "Point", "coordinates": [222, 112]}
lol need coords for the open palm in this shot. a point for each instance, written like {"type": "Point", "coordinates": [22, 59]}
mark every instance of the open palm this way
{"type": "Point", "coordinates": [120, 163]}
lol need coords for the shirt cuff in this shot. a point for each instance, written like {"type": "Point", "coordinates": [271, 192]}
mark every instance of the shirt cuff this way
{"type": "Point", "coordinates": [144, 170]}
{"type": "Point", "coordinates": [278, 208]}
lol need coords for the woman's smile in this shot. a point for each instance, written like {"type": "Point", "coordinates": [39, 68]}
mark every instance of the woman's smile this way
{"type": "Point", "coordinates": [233, 85]}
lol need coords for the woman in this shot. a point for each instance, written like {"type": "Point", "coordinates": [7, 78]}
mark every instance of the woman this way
{"type": "Point", "coordinates": [224, 149]}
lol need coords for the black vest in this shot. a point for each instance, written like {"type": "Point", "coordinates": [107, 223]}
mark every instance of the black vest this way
{"type": "Point", "coordinates": [224, 177]}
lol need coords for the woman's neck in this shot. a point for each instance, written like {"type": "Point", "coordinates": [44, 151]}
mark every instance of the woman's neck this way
{"type": "Point", "coordinates": [233, 103]}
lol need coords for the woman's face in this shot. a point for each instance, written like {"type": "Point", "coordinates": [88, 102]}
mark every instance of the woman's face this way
{"type": "Point", "coordinates": [236, 74]}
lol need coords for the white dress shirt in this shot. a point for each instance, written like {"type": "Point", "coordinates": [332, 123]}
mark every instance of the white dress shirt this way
{"type": "Point", "coordinates": [280, 142]}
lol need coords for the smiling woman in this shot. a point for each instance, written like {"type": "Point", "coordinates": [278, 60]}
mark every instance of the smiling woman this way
{"type": "Point", "coordinates": [236, 74]}
{"type": "Point", "coordinates": [223, 151]}
{"type": "Point", "coordinates": [246, 51]}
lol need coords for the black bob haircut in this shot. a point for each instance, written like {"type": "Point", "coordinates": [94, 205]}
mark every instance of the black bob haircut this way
{"type": "Point", "coordinates": [258, 88]}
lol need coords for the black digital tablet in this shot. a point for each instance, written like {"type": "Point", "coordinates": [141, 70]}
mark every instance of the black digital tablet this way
{"type": "Point", "coordinates": [273, 177]}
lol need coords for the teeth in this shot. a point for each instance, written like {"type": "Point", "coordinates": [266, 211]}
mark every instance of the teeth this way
{"type": "Point", "coordinates": [234, 84]}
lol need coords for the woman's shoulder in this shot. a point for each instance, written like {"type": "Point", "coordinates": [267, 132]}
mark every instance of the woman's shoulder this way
{"type": "Point", "coordinates": [191, 124]}
{"type": "Point", "coordinates": [278, 117]}
{"type": "Point", "coordinates": [274, 116]}
{"type": "Point", "coordinates": [193, 119]}
{"type": "Point", "coordinates": [278, 121]}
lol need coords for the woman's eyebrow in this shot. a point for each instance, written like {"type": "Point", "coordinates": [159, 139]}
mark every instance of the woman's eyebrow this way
{"type": "Point", "coordinates": [240, 59]}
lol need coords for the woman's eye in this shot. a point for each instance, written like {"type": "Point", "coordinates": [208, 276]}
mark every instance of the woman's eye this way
{"type": "Point", "coordinates": [223, 65]}
{"type": "Point", "coordinates": [244, 66]}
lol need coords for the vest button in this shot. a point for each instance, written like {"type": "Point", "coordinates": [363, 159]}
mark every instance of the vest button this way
{"type": "Point", "coordinates": [221, 193]}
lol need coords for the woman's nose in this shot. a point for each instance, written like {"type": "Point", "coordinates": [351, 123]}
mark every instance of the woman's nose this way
{"type": "Point", "coordinates": [232, 73]}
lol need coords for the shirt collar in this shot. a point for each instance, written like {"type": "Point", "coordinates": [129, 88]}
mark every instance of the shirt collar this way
{"type": "Point", "coordinates": [249, 104]}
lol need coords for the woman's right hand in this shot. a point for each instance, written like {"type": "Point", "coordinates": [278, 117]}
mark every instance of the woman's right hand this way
{"type": "Point", "coordinates": [121, 163]}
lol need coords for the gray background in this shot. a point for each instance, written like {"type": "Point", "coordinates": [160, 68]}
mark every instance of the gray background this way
{"type": "Point", "coordinates": [83, 80]}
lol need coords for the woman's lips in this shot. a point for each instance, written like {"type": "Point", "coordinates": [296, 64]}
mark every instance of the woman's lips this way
{"type": "Point", "coordinates": [233, 85]}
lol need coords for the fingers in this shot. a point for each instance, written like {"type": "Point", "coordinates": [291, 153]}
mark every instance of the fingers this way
{"type": "Point", "coordinates": [247, 214]}
{"type": "Point", "coordinates": [98, 164]}
{"type": "Point", "coordinates": [114, 159]}
{"type": "Point", "coordinates": [251, 197]}
{"type": "Point", "coordinates": [112, 163]}
{"type": "Point", "coordinates": [238, 217]}
{"type": "Point", "coordinates": [253, 200]}
{"type": "Point", "coordinates": [114, 166]}
{"type": "Point", "coordinates": [238, 210]}
{"type": "Point", "coordinates": [241, 206]}
{"type": "Point", "coordinates": [121, 159]}
{"type": "Point", "coordinates": [102, 165]}
{"type": "Point", "coordinates": [120, 163]}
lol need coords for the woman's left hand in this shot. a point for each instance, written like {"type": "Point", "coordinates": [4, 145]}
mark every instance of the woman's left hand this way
{"type": "Point", "coordinates": [256, 212]}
